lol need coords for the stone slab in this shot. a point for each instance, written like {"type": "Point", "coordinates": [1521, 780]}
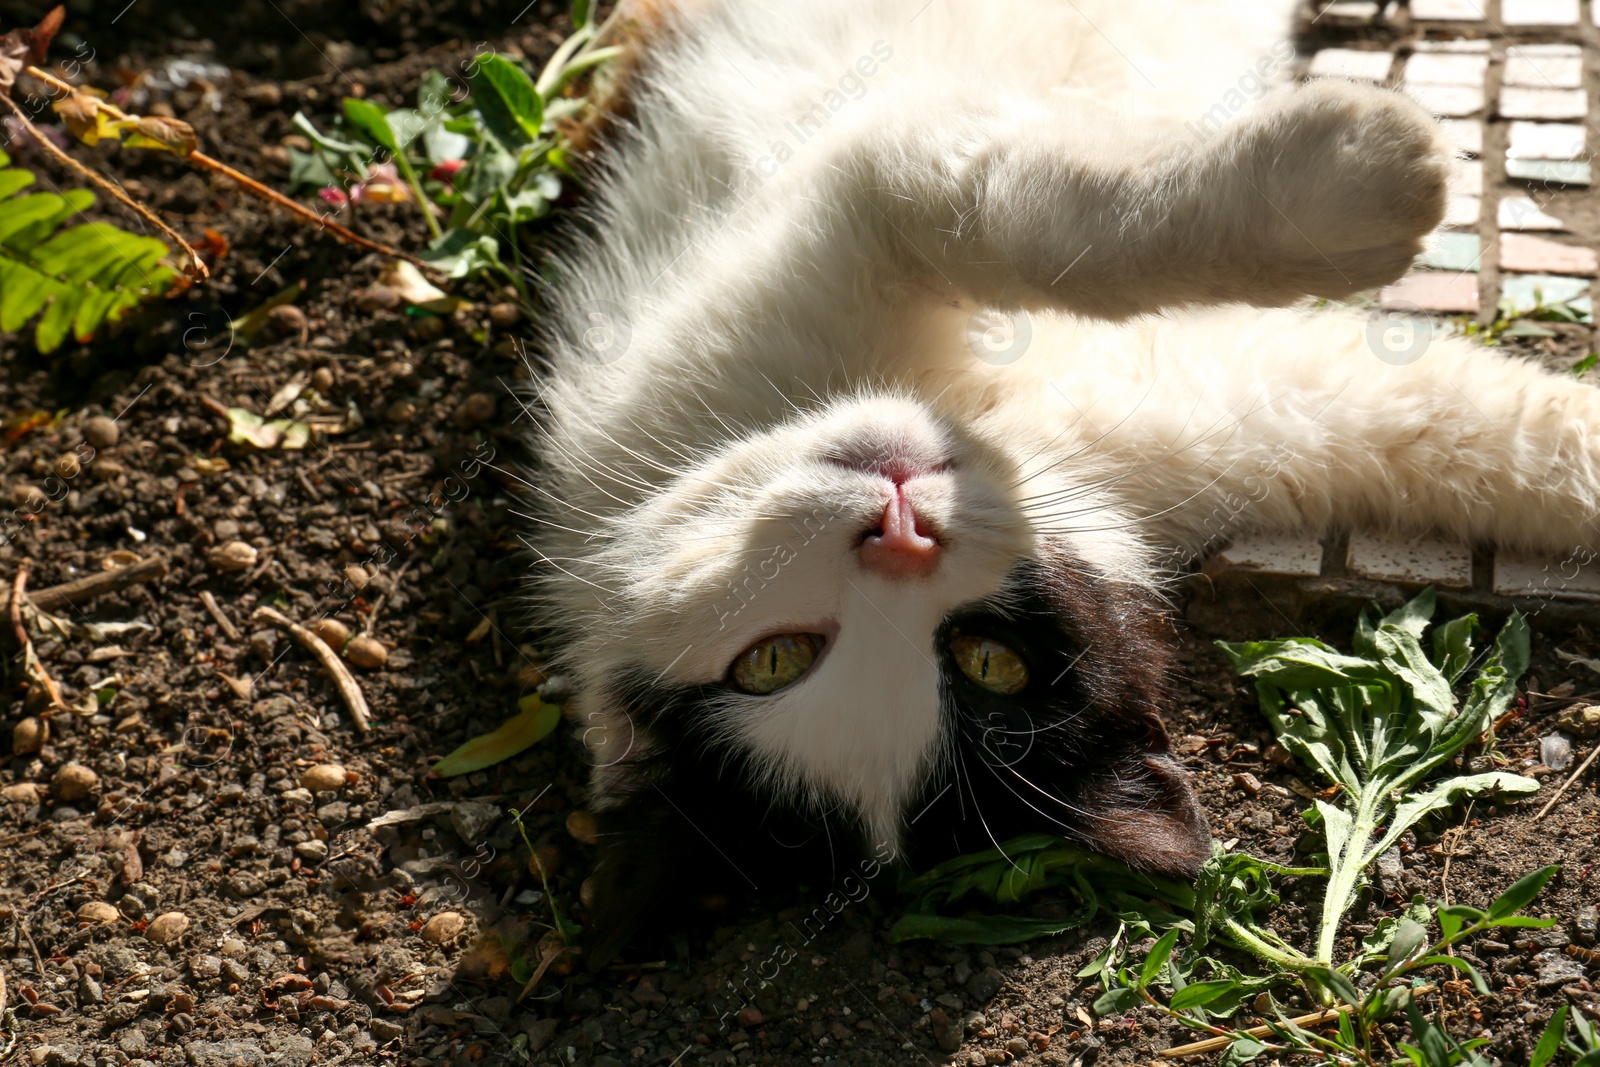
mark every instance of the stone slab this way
{"type": "Point", "coordinates": [1540, 255]}
{"type": "Point", "coordinates": [1447, 101]}
{"type": "Point", "coordinates": [1573, 577]}
{"type": "Point", "coordinates": [1447, 68]}
{"type": "Point", "coordinates": [1410, 561]}
{"type": "Point", "coordinates": [1538, 69]}
{"type": "Point", "coordinates": [1449, 10]}
{"type": "Point", "coordinates": [1348, 13]}
{"type": "Point", "coordinates": [1463, 211]}
{"type": "Point", "coordinates": [1452, 44]}
{"type": "Point", "coordinates": [1452, 251]}
{"type": "Point", "coordinates": [1550, 171]}
{"type": "Point", "coordinates": [1433, 291]}
{"type": "Point", "coordinates": [1523, 293]}
{"type": "Point", "coordinates": [1521, 213]}
{"type": "Point", "coordinates": [1545, 140]}
{"type": "Point", "coordinates": [1292, 557]}
{"type": "Point", "coordinates": [1351, 64]}
{"type": "Point", "coordinates": [1464, 135]}
{"type": "Point", "coordinates": [1517, 102]}
{"type": "Point", "coordinates": [1466, 177]}
{"type": "Point", "coordinates": [1539, 12]}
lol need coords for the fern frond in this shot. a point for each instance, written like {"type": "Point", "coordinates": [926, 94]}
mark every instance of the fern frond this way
{"type": "Point", "coordinates": [74, 279]}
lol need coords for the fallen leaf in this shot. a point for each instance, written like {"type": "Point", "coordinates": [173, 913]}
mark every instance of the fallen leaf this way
{"type": "Point", "coordinates": [1592, 664]}
{"type": "Point", "coordinates": [245, 427]}
{"type": "Point", "coordinates": [40, 36]}
{"type": "Point", "coordinates": [14, 49]}
{"type": "Point", "coordinates": [417, 291]}
{"type": "Point", "coordinates": [161, 134]}
{"type": "Point", "coordinates": [521, 731]}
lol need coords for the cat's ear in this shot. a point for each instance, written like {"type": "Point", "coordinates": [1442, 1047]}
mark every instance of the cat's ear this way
{"type": "Point", "coordinates": [1145, 814]}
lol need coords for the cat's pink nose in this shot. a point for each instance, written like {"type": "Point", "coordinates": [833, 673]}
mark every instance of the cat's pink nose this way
{"type": "Point", "coordinates": [901, 547]}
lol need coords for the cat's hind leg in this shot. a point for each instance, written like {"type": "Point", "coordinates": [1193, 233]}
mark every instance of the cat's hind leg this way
{"type": "Point", "coordinates": [1289, 420]}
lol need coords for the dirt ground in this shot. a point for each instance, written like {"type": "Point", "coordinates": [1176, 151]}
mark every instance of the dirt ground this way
{"type": "Point", "coordinates": [304, 935]}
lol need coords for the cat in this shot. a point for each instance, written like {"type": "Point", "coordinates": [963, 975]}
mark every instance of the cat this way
{"type": "Point", "coordinates": [911, 342]}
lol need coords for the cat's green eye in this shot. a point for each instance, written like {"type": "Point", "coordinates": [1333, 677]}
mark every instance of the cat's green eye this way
{"type": "Point", "coordinates": [773, 662]}
{"type": "Point", "coordinates": [990, 664]}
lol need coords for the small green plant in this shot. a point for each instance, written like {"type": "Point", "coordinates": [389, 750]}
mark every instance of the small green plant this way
{"type": "Point", "coordinates": [488, 162]}
{"type": "Point", "coordinates": [1378, 722]}
{"type": "Point", "coordinates": [74, 278]}
{"type": "Point", "coordinates": [1375, 724]}
{"type": "Point", "coordinates": [1554, 1040]}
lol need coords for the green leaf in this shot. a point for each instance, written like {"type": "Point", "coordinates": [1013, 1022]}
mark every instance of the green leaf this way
{"type": "Point", "coordinates": [1199, 994]}
{"type": "Point", "coordinates": [1461, 965]}
{"type": "Point", "coordinates": [1116, 1001]}
{"type": "Point", "coordinates": [1452, 646]}
{"type": "Point", "coordinates": [981, 930]}
{"type": "Point", "coordinates": [1409, 936]}
{"type": "Point", "coordinates": [1243, 1049]}
{"type": "Point", "coordinates": [523, 730]}
{"type": "Point", "coordinates": [581, 10]}
{"type": "Point", "coordinates": [371, 120]}
{"type": "Point", "coordinates": [1453, 917]}
{"type": "Point", "coordinates": [325, 142]}
{"type": "Point", "coordinates": [1521, 894]}
{"type": "Point", "coordinates": [1445, 795]}
{"type": "Point", "coordinates": [1335, 982]}
{"type": "Point", "coordinates": [506, 97]}
{"type": "Point", "coordinates": [1159, 954]}
{"type": "Point", "coordinates": [460, 253]}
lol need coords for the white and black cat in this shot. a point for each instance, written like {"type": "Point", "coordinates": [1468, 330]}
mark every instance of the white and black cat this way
{"type": "Point", "coordinates": [829, 569]}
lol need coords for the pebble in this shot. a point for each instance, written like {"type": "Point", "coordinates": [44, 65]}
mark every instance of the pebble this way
{"type": "Point", "coordinates": [74, 782]}
{"type": "Point", "coordinates": [323, 777]}
{"type": "Point", "coordinates": [749, 1016]}
{"type": "Point", "coordinates": [67, 466]}
{"type": "Point", "coordinates": [377, 297]}
{"type": "Point", "coordinates": [476, 408]}
{"type": "Point", "coordinates": [286, 320]}
{"type": "Point", "coordinates": [101, 432]}
{"type": "Point", "coordinates": [1247, 782]}
{"type": "Point", "coordinates": [505, 316]}
{"type": "Point", "coordinates": [1586, 924]}
{"type": "Point", "coordinates": [583, 827]}
{"type": "Point", "coordinates": [234, 556]}
{"type": "Point", "coordinates": [29, 735]}
{"type": "Point", "coordinates": [985, 984]}
{"type": "Point", "coordinates": [332, 631]}
{"type": "Point", "coordinates": [29, 496]}
{"type": "Point", "coordinates": [366, 653]}
{"type": "Point", "coordinates": [99, 912]}
{"type": "Point", "coordinates": [443, 927]}
{"type": "Point", "coordinates": [383, 1030]}
{"type": "Point", "coordinates": [167, 928]}
{"type": "Point", "coordinates": [313, 851]}
{"type": "Point", "coordinates": [267, 94]}
{"type": "Point", "coordinates": [206, 967]}
{"type": "Point", "coordinates": [21, 793]}
{"type": "Point", "coordinates": [322, 380]}
{"type": "Point", "coordinates": [1582, 721]}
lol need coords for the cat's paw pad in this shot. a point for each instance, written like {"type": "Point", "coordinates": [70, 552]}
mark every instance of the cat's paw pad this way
{"type": "Point", "coordinates": [1354, 179]}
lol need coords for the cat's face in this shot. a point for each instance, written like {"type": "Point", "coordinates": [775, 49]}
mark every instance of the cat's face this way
{"type": "Point", "coordinates": [849, 626]}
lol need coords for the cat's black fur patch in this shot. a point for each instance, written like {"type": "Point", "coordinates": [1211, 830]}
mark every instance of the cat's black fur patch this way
{"type": "Point", "coordinates": [1080, 752]}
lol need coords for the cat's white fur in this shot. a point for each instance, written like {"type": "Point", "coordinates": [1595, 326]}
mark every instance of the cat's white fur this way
{"type": "Point", "coordinates": [756, 300]}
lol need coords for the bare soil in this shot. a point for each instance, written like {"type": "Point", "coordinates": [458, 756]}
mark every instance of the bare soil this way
{"type": "Point", "coordinates": [308, 937]}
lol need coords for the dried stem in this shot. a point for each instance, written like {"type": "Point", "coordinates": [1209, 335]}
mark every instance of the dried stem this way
{"type": "Point", "coordinates": [196, 265]}
{"type": "Point", "coordinates": [335, 667]}
{"type": "Point", "coordinates": [30, 658]}
{"type": "Point", "coordinates": [249, 184]}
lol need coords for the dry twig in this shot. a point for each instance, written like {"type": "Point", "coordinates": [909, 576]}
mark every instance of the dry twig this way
{"type": "Point", "coordinates": [215, 610]}
{"type": "Point", "coordinates": [249, 184]}
{"type": "Point", "coordinates": [342, 678]}
{"type": "Point", "coordinates": [196, 265]}
{"type": "Point", "coordinates": [30, 659]}
{"type": "Point", "coordinates": [82, 590]}
{"type": "Point", "coordinates": [1316, 1018]}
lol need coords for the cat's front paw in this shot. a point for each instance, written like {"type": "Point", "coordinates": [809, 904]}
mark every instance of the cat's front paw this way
{"type": "Point", "coordinates": [1348, 181]}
